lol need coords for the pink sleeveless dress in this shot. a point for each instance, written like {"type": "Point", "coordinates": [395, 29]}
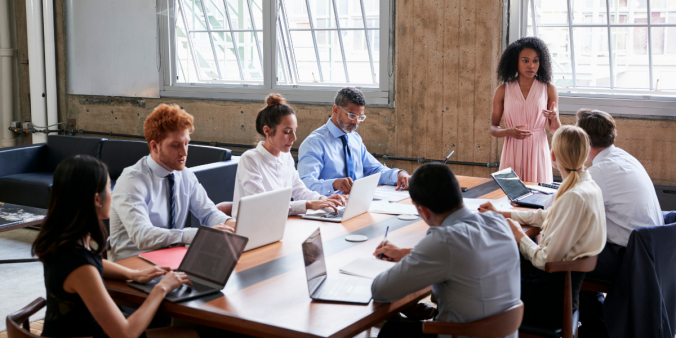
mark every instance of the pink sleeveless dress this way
{"type": "Point", "coordinates": [530, 158]}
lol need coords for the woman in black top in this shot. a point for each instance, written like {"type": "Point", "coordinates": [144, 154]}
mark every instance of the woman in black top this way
{"type": "Point", "coordinates": [70, 244]}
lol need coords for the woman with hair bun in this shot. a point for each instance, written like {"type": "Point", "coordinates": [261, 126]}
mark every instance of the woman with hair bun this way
{"type": "Point", "coordinates": [527, 101]}
{"type": "Point", "coordinates": [574, 227]}
{"type": "Point", "coordinates": [270, 166]}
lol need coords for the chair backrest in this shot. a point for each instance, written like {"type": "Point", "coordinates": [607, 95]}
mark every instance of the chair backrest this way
{"type": "Point", "coordinates": [60, 147]}
{"type": "Point", "coordinates": [18, 325]}
{"type": "Point", "coordinates": [201, 155]}
{"type": "Point", "coordinates": [585, 264]}
{"type": "Point", "coordinates": [498, 325]}
{"type": "Point", "coordinates": [119, 154]}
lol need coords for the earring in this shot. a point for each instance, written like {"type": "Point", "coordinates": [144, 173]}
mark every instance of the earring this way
{"type": "Point", "coordinates": [100, 205]}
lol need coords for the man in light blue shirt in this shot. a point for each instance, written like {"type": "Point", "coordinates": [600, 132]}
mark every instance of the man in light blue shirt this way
{"type": "Point", "coordinates": [152, 198]}
{"type": "Point", "coordinates": [468, 258]}
{"type": "Point", "coordinates": [334, 156]}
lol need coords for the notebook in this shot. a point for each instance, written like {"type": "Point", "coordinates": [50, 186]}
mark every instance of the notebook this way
{"type": "Point", "coordinates": [367, 267]}
{"type": "Point", "coordinates": [171, 257]}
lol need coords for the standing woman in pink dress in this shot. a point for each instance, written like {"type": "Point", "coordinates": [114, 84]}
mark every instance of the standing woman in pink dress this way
{"type": "Point", "coordinates": [527, 101]}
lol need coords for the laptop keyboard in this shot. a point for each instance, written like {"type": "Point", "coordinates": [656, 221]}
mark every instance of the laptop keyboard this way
{"type": "Point", "coordinates": [339, 288]}
{"type": "Point", "coordinates": [334, 215]}
{"type": "Point", "coordinates": [196, 287]}
{"type": "Point", "coordinates": [536, 199]}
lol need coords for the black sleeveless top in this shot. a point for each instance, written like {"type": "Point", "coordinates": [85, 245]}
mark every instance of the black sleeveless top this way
{"type": "Point", "coordinates": [67, 315]}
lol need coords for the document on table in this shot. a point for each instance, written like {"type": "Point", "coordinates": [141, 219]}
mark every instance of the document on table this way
{"type": "Point", "coordinates": [502, 204]}
{"type": "Point", "coordinates": [385, 207]}
{"type": "Point", "coordinates": [366, 267]}
{"type": "Point", "coordinates": [388, 193]}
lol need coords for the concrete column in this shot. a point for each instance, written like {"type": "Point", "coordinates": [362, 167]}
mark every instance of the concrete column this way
{"type": "Point", "coordinates": [36, 67]}
{"type": "Point", "coordinates": [6, 54]}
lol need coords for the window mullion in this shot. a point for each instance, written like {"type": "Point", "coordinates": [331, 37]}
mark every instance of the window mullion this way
{"type": "Point", "coordinates": [650, 47]}
{"type": "Point", "coordinates": [610, 46]}
{"type": "Point", "coordinates": [269, 43]}
{"type": "Point", "coordinates": [291, 52]}
{"type": "Point", "coordinates": [258, 43]}
{"type": "Point", "coordinates": [368, 41]}
{"type": "Point", "coordinates": [572, 44]}
{"type": "Point", "coordinates": [211, 39]}
{"type": "Point", "coordinates": [187, 33]}
{"type": "Point", "coordinates": [314, 41]}
{"type": "Point", "coordinates": [533, 17]}
{"type": "Point", "coordinates": [340, 39]}
{"type": "Point", "coordinates": [234, 41]}
{"type": "Point", "coordinates": [287, 55]}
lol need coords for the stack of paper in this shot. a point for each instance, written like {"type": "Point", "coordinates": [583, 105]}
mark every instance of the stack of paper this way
{"type": "Point", "coordinates": [388, 193]}
{"type": "Point", "coordinates": [385, 207]}
{"type": "Point", "coordinates": [545, 190]}
{"type": "Point", "coordinates": [502, 204]}
{"type": "Point", "coordinates": [366, 267]}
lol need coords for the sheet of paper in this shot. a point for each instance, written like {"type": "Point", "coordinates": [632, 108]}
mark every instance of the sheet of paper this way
{"type": "Point", "coordinates": [388, 192]}
{"type": "Point", "coordinates": [384, 207]}
{"type": "Point", "coordinates": [366, 267]}
{"type": "Point", "coordinates": [545, 190]}
{"type": "Point", "coordinates": [502, 204]}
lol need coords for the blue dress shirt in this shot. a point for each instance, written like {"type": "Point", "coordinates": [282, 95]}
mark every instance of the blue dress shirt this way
{"type": "Point", "coordinates": [321, 160]}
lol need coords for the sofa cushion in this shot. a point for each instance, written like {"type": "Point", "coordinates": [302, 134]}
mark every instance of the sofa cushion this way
{"type": "Point", "coordinates": [59, 147]}
{"type": "Point", "coordinates": [119, 154]}
{"type": "Point", "coordinates": [201, 155]}
{"type": "Point", "coordinates": [30, 189]}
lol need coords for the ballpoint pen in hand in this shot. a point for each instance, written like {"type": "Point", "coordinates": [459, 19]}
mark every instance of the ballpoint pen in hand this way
{"type": "Point", "coordinates": [384, 240]}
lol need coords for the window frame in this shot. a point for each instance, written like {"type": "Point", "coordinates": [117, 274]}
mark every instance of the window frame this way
{"type": "Point", "coordinates": [380, 96]}
{"type": "Point", "coordinates": [621, 102]}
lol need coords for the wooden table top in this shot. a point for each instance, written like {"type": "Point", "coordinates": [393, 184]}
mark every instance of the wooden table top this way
{"type": "Point", "coordinates": [267, 295]}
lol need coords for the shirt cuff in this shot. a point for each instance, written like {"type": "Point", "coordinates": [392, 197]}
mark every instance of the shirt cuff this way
{"type": "Point", "coordinates": [188, 235]}
{"type": "Point", "coordinates": [327, 187]}
{"type": "Point", "coordinates": [527, 247]}
{"type": "Point", "coordinates": [297, 208]}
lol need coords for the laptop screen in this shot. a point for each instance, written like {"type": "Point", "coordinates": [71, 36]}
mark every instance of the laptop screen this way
{"type": "Point", "coordinates": [510, 183]}
{"type": "Point", "coordinates": [213, 255]}
{"type": "Point", "coordinates": [313, 256]}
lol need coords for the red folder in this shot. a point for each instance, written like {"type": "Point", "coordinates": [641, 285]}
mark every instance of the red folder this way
{"type": "Point", "coordinates": [171, 257]}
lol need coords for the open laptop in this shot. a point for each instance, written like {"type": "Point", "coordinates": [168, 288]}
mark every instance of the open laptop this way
{"type": "Point", "coordinates": [210, 260]}
{"type": "Point", "coordinates": [516, 191]}
{"type": "Point", "coordinates": [358, 202]}
{"type": "Point", "coordinates": [344, 289]}
{"type": "Point", "coordinates": [262, 217]}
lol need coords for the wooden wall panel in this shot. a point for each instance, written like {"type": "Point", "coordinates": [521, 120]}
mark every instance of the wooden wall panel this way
{"type": "Point", "coordinates": [433, 111]}
{"type": "Point", "coordinates": [451, 36]}
{"type": "Point", "coordinates": [404, 81]}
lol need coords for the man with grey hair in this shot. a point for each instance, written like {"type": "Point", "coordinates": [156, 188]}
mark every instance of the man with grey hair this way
{"type": "Point", "coordinates": [334, 156]}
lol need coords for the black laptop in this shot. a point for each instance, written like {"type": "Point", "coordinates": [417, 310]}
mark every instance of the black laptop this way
{"type": "Point", "coordinates": [210, 260]}
{"type": "Point", "coordinates": [344, 289]}
{"type": "Point", "coordinates": [516, 191]}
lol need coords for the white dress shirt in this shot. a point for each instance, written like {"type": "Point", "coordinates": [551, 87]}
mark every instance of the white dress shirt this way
{"type": "Point", "coordinates": [139, 216]}
{"type": "Point", "coordinates": [576, 228]}
{"type": "Point", "coordinates": [259, 171]}
{"type": "Point", "coordinates": [628, 194]}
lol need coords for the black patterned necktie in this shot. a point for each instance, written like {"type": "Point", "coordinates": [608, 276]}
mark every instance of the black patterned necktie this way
{"type": "Point", "coordinates": [349, 163]}
{"type": "Point", "coordinates": [172, 201]}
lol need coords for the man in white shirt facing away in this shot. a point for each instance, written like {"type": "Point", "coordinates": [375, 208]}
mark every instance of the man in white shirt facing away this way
{"type": "Point", "coordinates": [628, 192]}
{"type": "Point", "coordinates": [152, 198]}
{"type": "Point", "coordinates": [468, 258]}
{"type": "Point", "coordinates": [629, 200]}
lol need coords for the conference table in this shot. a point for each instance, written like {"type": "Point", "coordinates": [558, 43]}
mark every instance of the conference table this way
{"type": "Point", "coordinates": [267, 294]}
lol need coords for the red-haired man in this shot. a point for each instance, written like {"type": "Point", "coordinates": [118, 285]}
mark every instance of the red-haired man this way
{"type": "Point", "coordinates": [152, 198]}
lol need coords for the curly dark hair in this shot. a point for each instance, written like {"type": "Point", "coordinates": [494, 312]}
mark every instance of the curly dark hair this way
{"type": "Point", "coordinates": [508, 67]}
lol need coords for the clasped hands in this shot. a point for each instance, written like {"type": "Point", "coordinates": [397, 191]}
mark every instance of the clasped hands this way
{"type": "Point", "coordinates": [518, 133]}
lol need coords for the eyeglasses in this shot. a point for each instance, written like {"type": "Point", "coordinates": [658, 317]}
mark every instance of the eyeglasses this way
{"type": "Point", "coordinates": [353, 116]}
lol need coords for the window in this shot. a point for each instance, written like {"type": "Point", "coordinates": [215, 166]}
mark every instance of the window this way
{"type": "Point", "coordinates": [612, 47]}
{"type": "Point", "coordinates": [243, 49]}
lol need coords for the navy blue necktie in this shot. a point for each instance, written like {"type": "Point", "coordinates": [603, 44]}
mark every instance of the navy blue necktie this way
{"type": "Point", "coordinates": [349, 163]}
{"type": "Point", "coordinates": [172, 201]}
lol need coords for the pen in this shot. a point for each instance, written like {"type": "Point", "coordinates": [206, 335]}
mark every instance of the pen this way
{"type": "Point", "coordinates": [449, 156]}
{"type": "Point", "coordinates": [384, 240]}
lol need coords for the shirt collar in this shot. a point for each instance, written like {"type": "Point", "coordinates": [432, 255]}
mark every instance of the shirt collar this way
{"type": "Point", "coordinates": [335, 131]}
{"type": "Point", "coordinates": [454, 217]}
{"type": "Point", "coordinates": [266, 154]}
{"type": "Point", "coordinates": [157, 169]}
{"type": "Point", "coordinates": [601, 155]}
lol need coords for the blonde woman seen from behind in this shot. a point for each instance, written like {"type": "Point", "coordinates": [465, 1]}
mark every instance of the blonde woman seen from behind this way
{"type": "Point", "coordinates": [574, 227]}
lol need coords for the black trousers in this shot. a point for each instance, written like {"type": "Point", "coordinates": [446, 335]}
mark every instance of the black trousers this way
{"type": "Point", "coordinates": [542, 294]}
{"type": "Point", "coordinates": [398, 327]}
{"type": "Point", "coordinates": [591, 303]}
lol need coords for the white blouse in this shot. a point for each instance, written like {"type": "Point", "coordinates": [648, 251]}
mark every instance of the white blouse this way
{"type": "Point", "coordinates": [576, 229]}
{"type": "Point", "coordinates": [259, 171]}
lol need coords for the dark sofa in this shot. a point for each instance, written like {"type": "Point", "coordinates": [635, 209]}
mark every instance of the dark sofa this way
{"type": "Point", "coordinates": [26, 172]}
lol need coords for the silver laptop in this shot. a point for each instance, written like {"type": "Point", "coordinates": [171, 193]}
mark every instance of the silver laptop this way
{"type": "Point", "coordinates": [516, 191]}
{"type": "Point", "coordinates": [358, 202]}
{"type": "Point", "coordinates": [209, 262]}
{"type": "Point", "coordinates": [262, 217]}
{"type": "Point", "coordinates": [344, 289]}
